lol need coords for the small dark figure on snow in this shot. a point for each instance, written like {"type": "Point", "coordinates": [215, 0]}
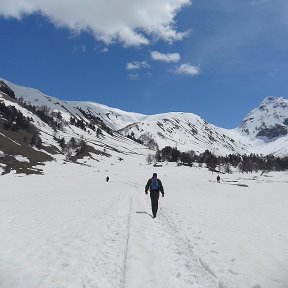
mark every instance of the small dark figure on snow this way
{"type": "Point", "coordinates": [155, 186]}
{"type": "Point", "coordinates": [107, 179]}
{"type": "Point", "coordinates": [218, 179]}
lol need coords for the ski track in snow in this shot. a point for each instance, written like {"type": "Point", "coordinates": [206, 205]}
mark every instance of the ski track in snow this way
{"type": "Point", "coordinates": [103, 270]}
{"type": "Point", "coordinates": [165, 250]}
{"type": "Point", "coordinates": [191, 270]}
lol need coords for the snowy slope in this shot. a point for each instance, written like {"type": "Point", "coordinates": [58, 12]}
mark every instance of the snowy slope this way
{"type": "Point", "coordinates": [112, 145]}
{"type": "Point", "coordinates": [186, 131]}
{"type": "Point", "coordinates": [115, 143]}
{"type": "Point", "coordinates": [112, 117]}
{"type": "Point", "coordinates": [40, 99]}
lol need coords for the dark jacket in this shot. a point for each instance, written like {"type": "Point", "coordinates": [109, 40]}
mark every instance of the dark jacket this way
{"type": "Point", "coordinates": [160, 188]}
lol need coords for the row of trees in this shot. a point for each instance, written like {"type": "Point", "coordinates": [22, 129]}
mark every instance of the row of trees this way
{"type": "Point", "coordinates": [79, 147]}
{"type": "Point", "coordinates": [94, 120]}
{"type": "Point", "coordinates": [145, 139]}
{"type": "Point", "coordinates": [80, 123]}
{"type": "Point", "coordinates": [245, 163]}
{"type": "Point", "coordinates": [132, 137]}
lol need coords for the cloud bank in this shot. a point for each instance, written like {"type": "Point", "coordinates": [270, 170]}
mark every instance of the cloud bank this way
{"type": "Point", "coordinates": [169, 57]}
{"type": "Point", "coordinates": [131, 22]}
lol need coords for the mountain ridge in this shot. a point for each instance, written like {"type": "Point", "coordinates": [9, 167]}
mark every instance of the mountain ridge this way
{"type": "Point", "coordinates": [109, 132]}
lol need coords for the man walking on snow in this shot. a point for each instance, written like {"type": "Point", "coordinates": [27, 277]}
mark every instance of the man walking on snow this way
{"type": "Point", "coordinates": [155, 186]}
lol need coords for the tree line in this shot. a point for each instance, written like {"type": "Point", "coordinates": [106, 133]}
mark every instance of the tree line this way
{"type": "Point", "coordinates": [79, 146]}
{"type": "Point", "coordinates": [244, 163]}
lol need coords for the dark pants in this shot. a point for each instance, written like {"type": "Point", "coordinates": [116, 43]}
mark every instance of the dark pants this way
{"type": "Point", "coordinates": [154, 195]}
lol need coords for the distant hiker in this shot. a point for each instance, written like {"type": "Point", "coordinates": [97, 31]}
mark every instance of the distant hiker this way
{"type": "Point", "coordinates": [155, 186]}
{"type": "Point", "coordinates": [107, 179]}
{"type": "Point", "coordinates": [218, 179]}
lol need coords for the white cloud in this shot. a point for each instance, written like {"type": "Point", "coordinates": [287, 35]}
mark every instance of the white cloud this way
{"type": "Point", "coordinates": [135, 65]}
{"type": "Point", "coordinates": [131, 22]}
{"type": "Point", "coordinates": [188, 69]}
{"type": "Point", "coordinates": [169, 57]}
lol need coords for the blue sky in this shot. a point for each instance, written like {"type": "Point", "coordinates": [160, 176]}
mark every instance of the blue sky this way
{"type": "Point", "coordinates": [215, 58]}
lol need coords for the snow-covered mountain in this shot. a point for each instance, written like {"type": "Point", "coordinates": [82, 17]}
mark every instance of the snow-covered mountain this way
{"type": "Point", "coordinates": [267, 122]}
{"type": "Point", "coordinates": [58, 130]}
{"type": "Point", "coordinates": [263, 130]}
{"type": "Point", "coordinates": [110, 132]}
{"type": "Point", "coordinates": [114, 118]}
{"type": "Point", "coordinates": [186, 131]}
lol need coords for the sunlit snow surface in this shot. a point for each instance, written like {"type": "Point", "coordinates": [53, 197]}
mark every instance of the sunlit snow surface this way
{"type": "Point", "coordinates": [70, 228]}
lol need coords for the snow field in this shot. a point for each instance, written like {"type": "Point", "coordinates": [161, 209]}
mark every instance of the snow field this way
{"type": "Point", "coordinates": [69, 228]}
{"type": "Point", "coordinates": [237, 231]}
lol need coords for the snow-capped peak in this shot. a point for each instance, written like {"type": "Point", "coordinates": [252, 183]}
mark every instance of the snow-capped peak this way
{"type": "Point", "coordinates": [269, 121]}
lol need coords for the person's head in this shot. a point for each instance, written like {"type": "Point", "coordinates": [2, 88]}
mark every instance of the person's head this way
{"type": "Point", "coordinates": [154, 175]}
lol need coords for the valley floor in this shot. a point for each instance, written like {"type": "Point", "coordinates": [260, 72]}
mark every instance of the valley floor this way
{"type": "Point", "coordinates": [70, 228]}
